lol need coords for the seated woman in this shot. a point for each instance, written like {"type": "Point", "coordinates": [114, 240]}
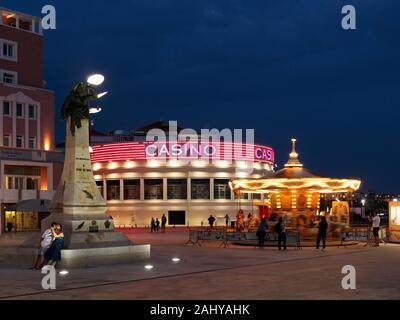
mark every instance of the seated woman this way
{"type": "Point", "coordinates": [53, 254]}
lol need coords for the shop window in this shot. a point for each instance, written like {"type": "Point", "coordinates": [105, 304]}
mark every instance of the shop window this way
{"type": "Point", "coordinates": [153, 189]}
{"type": "Point", "coordinates": [177, 188]}
{"type": "Point", "coordinates": [222, 189]}
{"type": "Point", "coordinates": [113, 190]}
{"type": "Point", "coordinates": [200, 189]}
{"type": "Point", "coordinates": [132, 189]}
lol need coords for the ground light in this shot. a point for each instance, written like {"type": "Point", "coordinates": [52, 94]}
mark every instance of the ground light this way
{"type": "Point", "coordinates": [176, 259]}
{"type": "Point", "coordinates": [148, 267]}
{"type": "Point", "coordinates": [101, 94]}
{"type": "Point", "coordinates": [95, 79]}
{"type": "Point", "coordinates": [63, 272]}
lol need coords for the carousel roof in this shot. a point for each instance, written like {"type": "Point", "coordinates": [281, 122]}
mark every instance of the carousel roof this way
{"type": "Point", "coordinates": [294, 176]}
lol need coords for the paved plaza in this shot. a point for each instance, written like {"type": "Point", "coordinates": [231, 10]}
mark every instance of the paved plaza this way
{"type": "Point", "coordinates": [210, 272]}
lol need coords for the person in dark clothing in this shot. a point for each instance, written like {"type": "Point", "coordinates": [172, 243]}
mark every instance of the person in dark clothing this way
{"type": "Point", "coordinates": [157, 226]}
{"type": "Point", "coordinates": [211, 221]}
{"type": "Point", "coordinates": [261, 232]}
{"type": "Point", "coordinates": [163, 222]}
{"type": "Point", "coordinates": [322, 230]}
{"type": "Point", "coordinates": [280, 229]}
{"type": "Point", "coordinates": [153, 225]}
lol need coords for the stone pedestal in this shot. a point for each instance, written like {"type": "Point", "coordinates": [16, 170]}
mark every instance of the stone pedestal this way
{"type": "Point", "coordinates": [81, 209]}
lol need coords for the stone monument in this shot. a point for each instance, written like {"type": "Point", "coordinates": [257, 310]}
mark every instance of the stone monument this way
{"type": "Point", "coordinates": [90, 238]}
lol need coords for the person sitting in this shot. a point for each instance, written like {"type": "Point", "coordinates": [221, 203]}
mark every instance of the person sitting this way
{"type": "Point", "coordinates": [44, 245]}
{"type": "Point", "coordinates": [53, 254]}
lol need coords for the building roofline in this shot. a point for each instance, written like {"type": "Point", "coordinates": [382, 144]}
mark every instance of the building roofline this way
{"type": "Point", "coordinates": [20, 13]}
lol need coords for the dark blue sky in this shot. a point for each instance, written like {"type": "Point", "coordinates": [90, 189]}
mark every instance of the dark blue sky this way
{"type": "Point", "coordinates": [285, 68]}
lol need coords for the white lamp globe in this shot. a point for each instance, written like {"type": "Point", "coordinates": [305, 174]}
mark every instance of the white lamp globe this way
{"type": "Point", "coordinates": [95, 79]}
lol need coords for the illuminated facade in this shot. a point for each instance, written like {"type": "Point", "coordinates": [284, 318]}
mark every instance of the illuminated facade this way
{"type": "Point", "coordinates": [29, 169]}
{"type": "Point", "coordinates": [294, 192]}
{"type": "Point", "coordinates": [187, 183]}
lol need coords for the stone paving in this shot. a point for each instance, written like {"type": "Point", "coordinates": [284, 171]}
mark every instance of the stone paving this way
{"type": "Point", "coordinates": [210, 272]}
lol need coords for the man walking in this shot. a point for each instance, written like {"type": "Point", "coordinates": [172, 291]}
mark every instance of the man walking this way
{"type": "Point", "coordinates": [376, 221]}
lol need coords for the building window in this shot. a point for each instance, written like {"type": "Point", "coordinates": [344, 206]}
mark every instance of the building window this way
{"type": "Point", "coordinates": [255, 196]}
{"type": "Point", "coordinates": [153, 189]}
{"type": "Point", "coordinates": [241, 195]}
{"type": "Point", "coordinates": [6, 141]}
{"type": "Point", "coordinates": [9, 19]}
{"type": "Point", "coordinates": [20, 110]}
{"type": "Point", "coordinates": [9, 183]}
{"type": "Point", "coordinates": [113, 190]}
{"type": "Point", "coordinates": [32, 111]}
{"type": "Point", "coordinates": [200, 189]}
{"type": "Point", "coordinates": [100, 186]}
{"type": "Point", "coordinates": [177, 188]}
{"type": "Point", "coordinates": [9, 77]}
{"type": "Point", "coordinates": [8, 50]}
{"type": "Point", "coordinates": [221, 189]}
{"type": "Point", "coordinates": [32, 183]}
{"type": "Point", "coordinates": [132, 189]}
{"type": "Point", "coordinates": [19, 142]}
{"type": "Point", "coordinates": [32, 143]}
{"type": "Point", "coordinates": [18, 183]}
{"type": "Point", "coordinates": [6, 108]}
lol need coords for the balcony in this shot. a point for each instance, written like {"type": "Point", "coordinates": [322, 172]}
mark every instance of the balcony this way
{"type": "Point", "coordinates": [20, 21]}
{"type": "Point", "coordinates": [12, 196]}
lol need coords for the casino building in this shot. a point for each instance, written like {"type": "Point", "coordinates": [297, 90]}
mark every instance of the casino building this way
{"type": "Point", "coordinates": [185, 181]}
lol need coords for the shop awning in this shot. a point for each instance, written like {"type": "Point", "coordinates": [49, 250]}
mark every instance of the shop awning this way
{"type": "Point", "coordinates": [35, 205]}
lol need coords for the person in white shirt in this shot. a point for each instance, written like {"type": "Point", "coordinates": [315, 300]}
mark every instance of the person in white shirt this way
{"type": "Point", "coordinates": [375, 228]}
{"type": "Point", "coordinates": [44, 245]}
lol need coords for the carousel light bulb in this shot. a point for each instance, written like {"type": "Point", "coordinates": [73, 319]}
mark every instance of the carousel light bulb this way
{"type": "Point", "coordinates": [95, 79]}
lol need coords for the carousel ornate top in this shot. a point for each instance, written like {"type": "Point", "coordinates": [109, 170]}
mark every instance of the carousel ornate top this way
{"type": "Point", "coordinates": [295, 177]}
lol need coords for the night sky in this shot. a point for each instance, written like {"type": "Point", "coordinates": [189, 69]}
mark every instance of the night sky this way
{"type": "Point", "coordinates": [285, 68]}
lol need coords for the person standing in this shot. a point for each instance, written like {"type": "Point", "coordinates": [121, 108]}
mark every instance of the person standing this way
{"type": "Point", "coordinates": [261, 232]}
{"type": "Point", "coordinates": [152, 225]}
{"type": "Point", "coordinates": [227, 220]}
{"type": "Point", "coordinates": [157, 227]}
{"type": "Point", "coordinates": [322, 230]}
{"type": "Point", "coordinates": [163, 223]}
{"type": "Point", "coordinates": [280, 229]}
{"type": "Point", "coordinates": [376, 221]}
{"type": "Point", "coordinates": [211, 221]}
{"type": "Point", "coordinates": [44, 245]}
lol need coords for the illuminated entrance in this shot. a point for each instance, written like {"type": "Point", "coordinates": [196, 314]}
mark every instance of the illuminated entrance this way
{"type": "Point", "coordinates": [25, 215]}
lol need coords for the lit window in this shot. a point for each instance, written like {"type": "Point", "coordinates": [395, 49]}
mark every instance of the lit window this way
{"type": "Point", "coordinates": [19, 142]}
{"type": "Point", "coordinates": [221, 189]}
{"type": "Point", "coordinates": [20, 110]}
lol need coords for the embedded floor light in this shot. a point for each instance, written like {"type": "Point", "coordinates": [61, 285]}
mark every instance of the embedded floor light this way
{"type": "Point", "coordinates": [148, 267]}
{"type": "Point", "coordinates": [176, 259]}
{"type": "Point", "coordinates": [63, 272]}
{"type": "Point", "coordinates": [95, 79]}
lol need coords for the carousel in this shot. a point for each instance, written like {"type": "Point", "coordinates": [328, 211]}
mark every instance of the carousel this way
{"type": "Point", "coordinates": [294, 193]}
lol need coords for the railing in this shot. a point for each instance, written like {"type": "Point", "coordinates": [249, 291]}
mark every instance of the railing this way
{"type": "Point", "coordinates": [226, 235]}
